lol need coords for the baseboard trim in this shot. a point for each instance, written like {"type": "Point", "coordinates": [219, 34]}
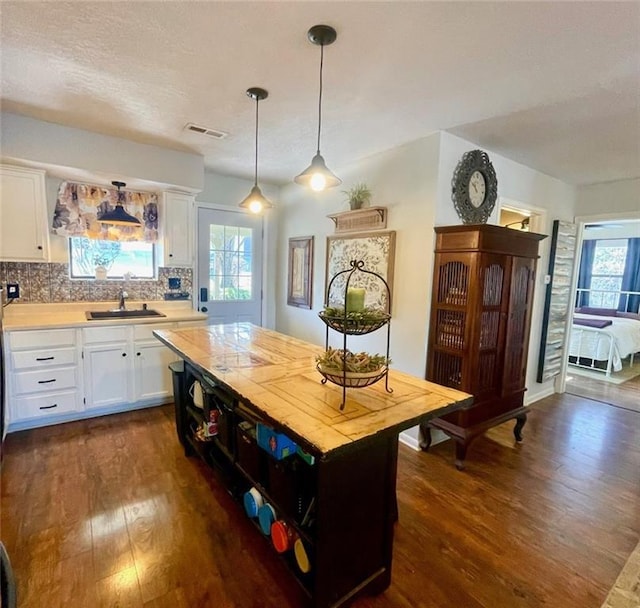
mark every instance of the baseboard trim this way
{"type": "Point", "coordinates": [409, 441]}
{"type": "Point", "coordinates": [34, 423]}
{"type": "Point", "coordinates": [547, 392]}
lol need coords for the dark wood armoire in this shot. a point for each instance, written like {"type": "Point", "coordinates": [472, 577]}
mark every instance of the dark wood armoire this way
{"type": "Point", "coordinates": [482, 298]}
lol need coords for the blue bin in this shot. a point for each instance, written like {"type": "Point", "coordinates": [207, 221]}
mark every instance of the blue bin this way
{"type": "Point", "coordinates": [277, 444]}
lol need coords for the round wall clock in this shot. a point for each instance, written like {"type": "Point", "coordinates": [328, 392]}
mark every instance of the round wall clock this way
{"type": "Point", "coordinates": [474, 187]}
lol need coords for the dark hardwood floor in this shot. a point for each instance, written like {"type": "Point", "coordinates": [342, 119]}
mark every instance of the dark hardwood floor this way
{"type": "Point", "coordinates": [626, 395]}
{"type": "Point", "coordinates": [109, 512]}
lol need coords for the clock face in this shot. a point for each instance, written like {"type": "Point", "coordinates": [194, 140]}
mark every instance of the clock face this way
{"type": "Point", "coordinates": [477, 189]}
{"type": "Point", "coordinates": [474, 187]}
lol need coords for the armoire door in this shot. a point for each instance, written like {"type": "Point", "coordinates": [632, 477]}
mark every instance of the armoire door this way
{"type": "Point", "coordinates": [490, 320]}
{"type": "Point", "coordinates": [518, 321]}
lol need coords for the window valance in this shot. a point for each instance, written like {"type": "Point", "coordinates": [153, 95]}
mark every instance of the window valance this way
{"type": "Point", "coordinates": [78, 207]}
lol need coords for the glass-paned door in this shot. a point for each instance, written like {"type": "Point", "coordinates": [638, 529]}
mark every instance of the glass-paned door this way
{"type": "Point", "coordinates": [230, 266]}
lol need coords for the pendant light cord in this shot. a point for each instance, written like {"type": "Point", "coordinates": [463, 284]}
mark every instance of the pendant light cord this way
{"type": "Point", "coordinates": [255, 173]}
{"type": "Point", "coordinates": [320, 96]}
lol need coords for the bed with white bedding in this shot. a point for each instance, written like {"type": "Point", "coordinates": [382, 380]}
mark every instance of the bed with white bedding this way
{"type": "Point", "coordinates": [603, 349]}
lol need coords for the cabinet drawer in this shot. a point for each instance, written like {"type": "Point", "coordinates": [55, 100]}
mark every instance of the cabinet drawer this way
{"type": "Point", "coordinates": [41, 358]}
{"type": "Point", "coordinates": [42, 380]}
{"type": "Point", "coordinates": [45, 405]}
{"type": "Point", "coordinates": [96, 335]}
{"type": "Point", "coordinates": [24, 340]}
{"type": "Point", "coordinates": [145, 332]}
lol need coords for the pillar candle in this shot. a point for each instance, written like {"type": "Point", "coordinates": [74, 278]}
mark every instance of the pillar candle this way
{"type": "Point", "coordinates": [355, 299]}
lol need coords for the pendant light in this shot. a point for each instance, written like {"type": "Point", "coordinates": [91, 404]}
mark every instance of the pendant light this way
{"type": "Point", "coordinates": [256, 201]}
{"type": "Point", "coordinates": [118, 216]}
{"type": "Point", "coordinates": [317, 176]}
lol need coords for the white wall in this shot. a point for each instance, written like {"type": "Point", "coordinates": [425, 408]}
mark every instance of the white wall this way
{"type": "Point", "coordinates": [47, 143]}
{"type": "Point", "coordinates": [617, 230]}
{"type": "Point", "coordinates": [227, 191]}
{"type": "Point", "coordinates": [404, 181]}
{"type": "Point", "coordinates": [611, 197]}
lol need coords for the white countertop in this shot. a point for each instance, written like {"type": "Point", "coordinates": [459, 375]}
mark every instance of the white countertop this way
{"type": "Point", "coordinates": [72, 314]}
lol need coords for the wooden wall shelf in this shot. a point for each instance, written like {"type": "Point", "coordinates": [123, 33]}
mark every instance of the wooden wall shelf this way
{"type": "Point", "coordinates": [359, 220]}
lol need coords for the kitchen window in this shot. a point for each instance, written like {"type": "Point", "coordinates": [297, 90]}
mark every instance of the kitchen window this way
{"type": "Point", "coordinates": [116, 257]}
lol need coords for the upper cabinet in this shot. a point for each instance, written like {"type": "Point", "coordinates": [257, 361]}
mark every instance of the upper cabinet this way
{"type": "Point", "coordinates": [177, 222]}
{"type": "Point", "coordinates": [24, 235]}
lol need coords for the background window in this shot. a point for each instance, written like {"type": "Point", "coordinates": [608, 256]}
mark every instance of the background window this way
{"type": "Point", "coordinates": [117, 257]}
{"type": "Point", "coordinates": [607, 270]}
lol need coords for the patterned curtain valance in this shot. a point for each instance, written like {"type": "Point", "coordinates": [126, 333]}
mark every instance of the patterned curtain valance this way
{"type": "Point", "coordinates": [79, 205]}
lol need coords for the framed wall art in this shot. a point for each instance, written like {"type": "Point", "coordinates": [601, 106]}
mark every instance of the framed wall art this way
{"type": "Point", "coordinates": [300, 276]}
{"type": "Point", "coordinates": [376, 250]}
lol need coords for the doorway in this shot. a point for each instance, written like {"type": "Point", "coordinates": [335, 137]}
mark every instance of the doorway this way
{"type": "Point", "coordinates": [604, 362]}
{"type": "Point", "coordinates": [229, 265]}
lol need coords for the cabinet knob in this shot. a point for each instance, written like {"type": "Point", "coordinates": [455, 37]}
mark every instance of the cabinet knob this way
{"type": "Point", "coordinates": [124, 354]}
{"type": "Point", "coordinates": [171, 255]}
{"type": "Point", "coordinates": [40, 247]}
{"type": "Point", "coordinates": [137, 354]}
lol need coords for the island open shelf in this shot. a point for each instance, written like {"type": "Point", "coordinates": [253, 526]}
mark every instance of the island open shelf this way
{"type": "Point", "coordinates": [339, 499]}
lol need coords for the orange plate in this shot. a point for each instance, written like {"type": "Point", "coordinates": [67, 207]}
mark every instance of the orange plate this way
{"type": "Point", "coordinates": [281, 536]}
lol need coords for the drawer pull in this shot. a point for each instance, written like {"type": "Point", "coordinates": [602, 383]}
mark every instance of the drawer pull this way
{"type": "Point", "coordinates": [45, 358]}
{"type": "Point", "coordinates": [48, 407]}
{"type": "Point", "coordinates": [46, 381]}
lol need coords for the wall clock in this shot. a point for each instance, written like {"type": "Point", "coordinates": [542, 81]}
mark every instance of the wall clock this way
{"type": "Point", "coordinates": [474, 187]}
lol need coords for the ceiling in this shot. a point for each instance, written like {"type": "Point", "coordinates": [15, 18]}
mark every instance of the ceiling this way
{"type": "Point", "coordinates": [553, 85]}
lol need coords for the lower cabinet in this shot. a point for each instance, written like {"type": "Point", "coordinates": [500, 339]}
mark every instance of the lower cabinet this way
{"type": "Point", "coordinates": [65, 374]}
{"type": "Point", "coordinates": [152, 378]}
{"type": "Point", "coordinates": [44, 374]}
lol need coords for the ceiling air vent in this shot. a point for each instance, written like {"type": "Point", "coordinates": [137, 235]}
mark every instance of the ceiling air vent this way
{"type": "Point", "coordinates": [205, 131]}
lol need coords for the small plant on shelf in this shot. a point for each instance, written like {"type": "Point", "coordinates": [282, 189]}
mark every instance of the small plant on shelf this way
{"type": "Point", "coordinates": [355, 321]}
{"type": "Point", "coordinates": [337, 361]}
{"type": "Point", "coordinates": [358, 195]}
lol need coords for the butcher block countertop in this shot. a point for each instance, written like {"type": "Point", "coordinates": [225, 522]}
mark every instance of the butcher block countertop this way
{"type": "Point", "coordinates": [276, 374]}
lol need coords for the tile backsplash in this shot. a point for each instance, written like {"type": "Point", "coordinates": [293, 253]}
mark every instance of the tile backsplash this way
{"type": "Point", "coordinates": [42, 282]}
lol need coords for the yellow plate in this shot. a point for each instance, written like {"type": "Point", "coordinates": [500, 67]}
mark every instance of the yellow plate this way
{"type": "Point", "coordinates": [301, 556]}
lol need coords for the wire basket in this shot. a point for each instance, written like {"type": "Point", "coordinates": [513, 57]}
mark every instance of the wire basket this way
{"type": "Point", "coordinates": [353, 326]}
{"type": "Point", "coordinates": [352, 379]}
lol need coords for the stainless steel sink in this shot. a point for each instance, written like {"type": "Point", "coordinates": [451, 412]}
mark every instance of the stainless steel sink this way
{"type": "Point", "coordinates": [99, 315]}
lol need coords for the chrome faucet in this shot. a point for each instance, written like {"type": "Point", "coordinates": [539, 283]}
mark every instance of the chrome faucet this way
{"type": "Point", "coordinates": [123, 295]}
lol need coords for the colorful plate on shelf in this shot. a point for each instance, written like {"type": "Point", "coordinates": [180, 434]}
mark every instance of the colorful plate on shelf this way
{"type": "Point", "coordinates": [266, 517]}
{"type": "Point", "coordinates": [252, 502]}
{"type": "Point", "coordinates": [282, 536]}
{"type": "Point", "coordinates": [302, 559]}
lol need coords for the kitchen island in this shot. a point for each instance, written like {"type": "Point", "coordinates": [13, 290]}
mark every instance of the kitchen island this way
{"type": "Point", "coordinates": [337, 494]}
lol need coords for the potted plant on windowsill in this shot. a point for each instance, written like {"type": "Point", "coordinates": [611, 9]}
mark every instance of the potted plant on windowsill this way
{"type": "Point", "coordinates": [103, 260]}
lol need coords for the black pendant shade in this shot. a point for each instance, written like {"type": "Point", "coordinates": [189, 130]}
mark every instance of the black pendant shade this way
{"type": "Point", "coordinates": [317, 176]}
{"type": "Point", "coordinates": [256, 202]}
{"type": "Point", "coordinates": [118, 216]}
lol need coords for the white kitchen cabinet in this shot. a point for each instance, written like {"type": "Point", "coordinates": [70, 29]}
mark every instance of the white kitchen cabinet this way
{"type": "Point", "coordinates": [152, 377]}
{"type": "Point", "coordinates": [65, 374]}
{"type": "Point", "coordinates": [107, 374]}
{"type": "Point", "coordinates": [107, 366]}
{"type": "Point", "coordinates": [176, 223]}
{"type": "Point", "coordinates": [44, 379]}
{"type": "Point", "coordinates": [24, 233]}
